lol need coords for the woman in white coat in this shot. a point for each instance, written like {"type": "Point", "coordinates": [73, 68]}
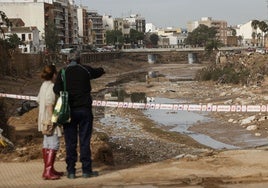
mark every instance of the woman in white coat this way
{"type": "Point", "coordinates": [46, 99]}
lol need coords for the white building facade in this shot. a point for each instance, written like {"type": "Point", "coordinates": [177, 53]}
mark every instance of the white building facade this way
{"type": "Point", "coordinates": [150, 27]}
{"type": "Point", "coordinates": [245, 31]}
{"type": "Point", "coordinates": [32, 14]}
{"type": "Point", "coordinates": [28, 35]}
{"type": "Point", "coordinates": [108, 22]}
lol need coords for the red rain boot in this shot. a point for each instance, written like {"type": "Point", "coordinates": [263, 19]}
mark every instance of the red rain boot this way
{"type": "Point", "coordinates": [53, 170]}
{"type": "Point", "coordinates": [44, 151]}
{"type": "Point", "coordinates": [49, 162]}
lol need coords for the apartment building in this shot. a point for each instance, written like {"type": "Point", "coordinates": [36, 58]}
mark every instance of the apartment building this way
{"type": "Point", "coordinates": [136, 22]}
{"type": "Point", "coordinates": [140, 25]}
{"type": "Point", "coordinates": [96, 28]}
{"type": "Point", "coordinates": [170, 37]}
{"type": "Point", "coordinates": [120, 24]}
{"type": "Point", "coordinates": [75, 24]}
{"type": "Point", "coordinates": [84, 32]}
{"type": "Point", "coordinates": [221, 27]}
{"type": "Point", "coordinates": [37, 13]}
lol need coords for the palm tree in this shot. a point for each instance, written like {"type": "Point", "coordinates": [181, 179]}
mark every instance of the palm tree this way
{"type": "Point", "coordinates": [253, 35]}
{"type": "Point", "coordinates": [254, 25]}
{"type": "Point", "coordinates": [240, 38]}
{"type": "Point", "coordinates": [258, 38]}
{"type": "Point", "coordinates": [233, 32]}
{"type": "Point", "coordinates": [263, 27]}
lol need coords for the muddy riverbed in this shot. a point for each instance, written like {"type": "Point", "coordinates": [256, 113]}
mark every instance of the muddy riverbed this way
{"type": "Point", "coordinates": [140, 137]}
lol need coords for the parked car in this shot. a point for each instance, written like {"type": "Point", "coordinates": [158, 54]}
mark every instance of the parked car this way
{"type": "Point", "coordinates": [261, 50]}
{"type": "Point", "coordinates": [251, 49]}
{"type": "Point", "coordinates": [67, 50]}
{"type": "Point", "coordinates": [100, 50]}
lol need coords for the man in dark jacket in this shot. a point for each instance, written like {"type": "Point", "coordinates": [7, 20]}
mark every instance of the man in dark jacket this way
{"type": "Point", "coordinates": [79, 90]}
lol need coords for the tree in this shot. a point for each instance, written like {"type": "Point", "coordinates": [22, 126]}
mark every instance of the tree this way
{"type": "Point", "coordinates": [154, 38]}
{"type": "Point", "coordinates": [255, 24]}
{"type": "Point", "coordinates": [203, 36]}
{"type": "Point", "coordinates": [4, 46]}
{"type": "Point", "coordinates": [135, 36]}
{"type": "Point", "coordinates": [240, 38]}
{"type": "Point", "coordinates": [4, 21]}
{"type": "Point", "coordinates": [14, 41]}
{"type": "Point", "coordinates": [114, 37]}
{"type": "Point", "coordinates": [51, 37]}
{"type": "Point", "coordinates": [233, 32]}
{"type": "Point", "coordinates": [264, 28]}
{"type": "Point", "coordinates": [253, 35]}
{"type": "Point", "coordinates": [212, 45]}
{"type": "Point", "coordinates": [258, 38]}
{"type": "Point", "coordinates": [262, 25]}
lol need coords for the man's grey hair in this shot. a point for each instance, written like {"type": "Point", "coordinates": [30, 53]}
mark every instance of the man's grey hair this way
{"type": "Point", "coordinates": [75, 56]}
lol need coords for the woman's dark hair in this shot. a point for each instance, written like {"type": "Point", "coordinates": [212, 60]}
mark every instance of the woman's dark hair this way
{"type": "Point", "coordinates": [48, 72]}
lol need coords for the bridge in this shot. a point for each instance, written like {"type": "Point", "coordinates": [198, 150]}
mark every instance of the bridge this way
{"type": "Point", "coordinates": [152, 54]}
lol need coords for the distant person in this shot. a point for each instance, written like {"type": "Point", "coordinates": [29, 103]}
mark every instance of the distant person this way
{"type": "Point", "coordinates": [79, 90]}
{"type": "Point", "coordinates": [46, 100]}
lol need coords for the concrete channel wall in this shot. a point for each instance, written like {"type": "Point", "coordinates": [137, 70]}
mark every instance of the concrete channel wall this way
{"type": "Point", "coordinates": [24, 63]}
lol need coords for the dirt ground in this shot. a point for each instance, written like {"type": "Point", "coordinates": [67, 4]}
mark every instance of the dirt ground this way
{"type": "Point", "coordinates": [146, 152]}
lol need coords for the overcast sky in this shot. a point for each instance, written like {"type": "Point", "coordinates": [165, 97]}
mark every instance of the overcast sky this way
{"type": "Point", "coordinates": [176, 13]}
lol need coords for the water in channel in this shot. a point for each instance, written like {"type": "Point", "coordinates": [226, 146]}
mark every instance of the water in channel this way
{"type": "Point", "coordinates": [180, 121]}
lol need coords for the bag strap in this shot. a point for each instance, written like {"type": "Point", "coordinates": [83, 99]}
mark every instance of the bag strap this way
{"type": "Point", "coordinates": [63, 79]}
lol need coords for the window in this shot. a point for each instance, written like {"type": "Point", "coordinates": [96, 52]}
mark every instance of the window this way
{"type": "Point", "coordinates": [30, 36]}
{"type": "Point", "coordinates": [23, 37]}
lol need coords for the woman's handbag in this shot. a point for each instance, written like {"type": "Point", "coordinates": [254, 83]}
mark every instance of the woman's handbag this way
{"type": "Point", "coordinates": [61, 114]}
{"type": "Point", "coordinates": [48, 128]}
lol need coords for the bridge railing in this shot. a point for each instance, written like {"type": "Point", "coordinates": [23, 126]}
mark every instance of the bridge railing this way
{"type": "Point", "coordinates": [179, 49]}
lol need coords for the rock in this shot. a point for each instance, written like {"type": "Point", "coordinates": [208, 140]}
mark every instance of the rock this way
{"type": "Point", "coordinates": [247, 120]}
{"type": "Point", "coordinates": [179, 156]}
{"type": "Point", "coordinates": [265, 98]}
{"type": "Point", "coordinates": [257, 134]}
{"type": "Point", "coordinates": [223, 94]}
{"type": "Point", "coordinates": [263, 118]}
{"type": "Point", "coordinates": [252, 128]}
{"type": "Point", "coordinates": [231, 120]}
{"type": "Point", "coordinates": [229, 101]}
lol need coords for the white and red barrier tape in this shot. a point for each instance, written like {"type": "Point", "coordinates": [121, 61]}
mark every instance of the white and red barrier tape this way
{"type": "Point", "coordinates": [13, 96]}
{"type": "Point", "coordinates": [156, 106]}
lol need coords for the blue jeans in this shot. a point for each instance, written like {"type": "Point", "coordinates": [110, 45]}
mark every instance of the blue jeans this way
{"type": "Point", "coordinates": [80, 128]}
{"type": "Point", "coordinates": [51, 142]}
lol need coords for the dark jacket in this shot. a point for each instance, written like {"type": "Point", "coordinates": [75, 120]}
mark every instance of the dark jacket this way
{"type": "Point", "coordinates": [78, 84]}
